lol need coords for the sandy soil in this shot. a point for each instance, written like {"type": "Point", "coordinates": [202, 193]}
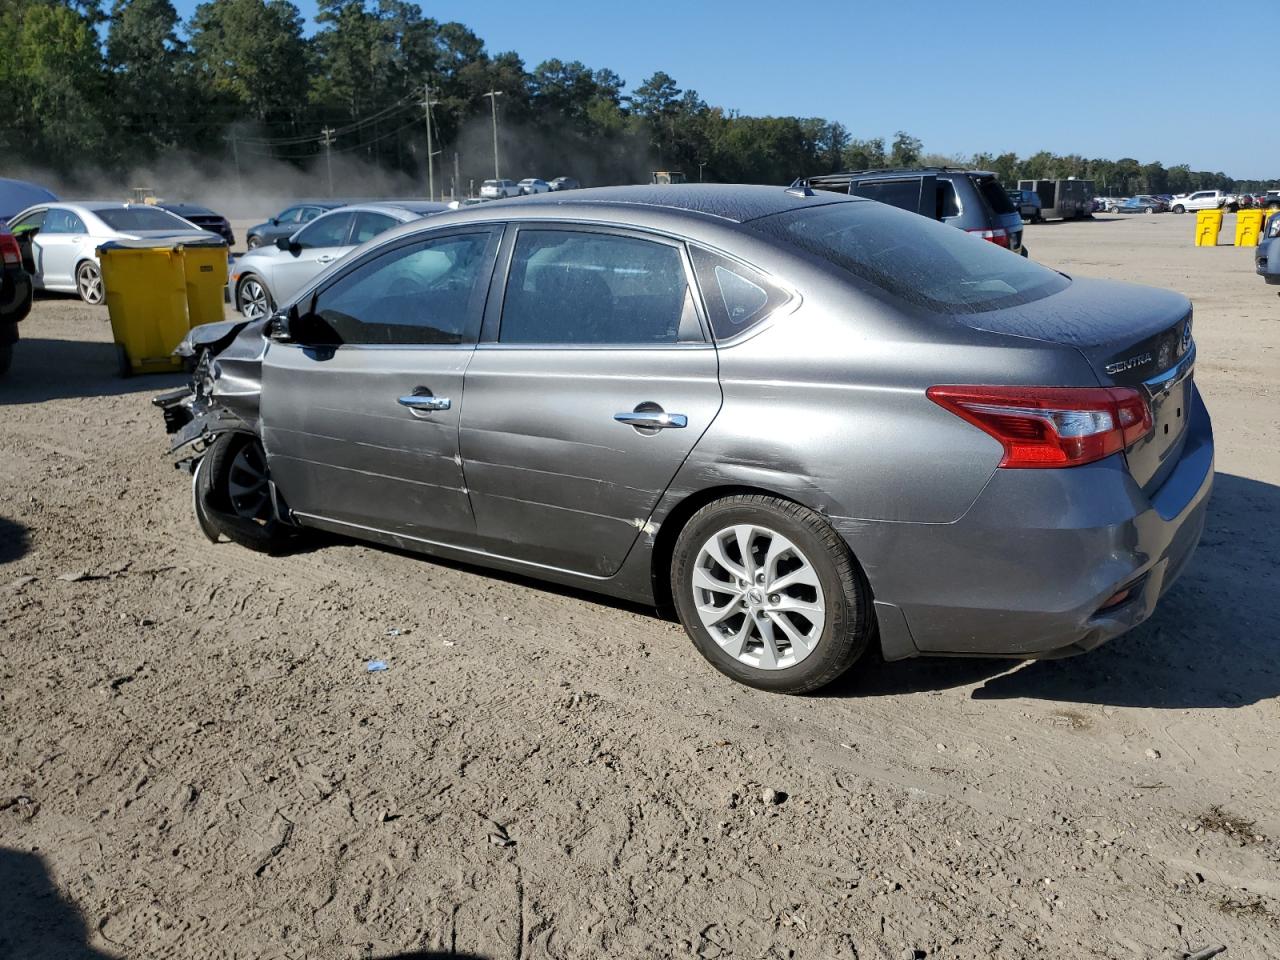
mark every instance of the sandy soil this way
{"type": "Point", "coordinates": [194, 761]}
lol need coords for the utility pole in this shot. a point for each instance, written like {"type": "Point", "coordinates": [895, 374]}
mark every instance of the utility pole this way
{"type": "Point", "coordinates": [457, 182]}
{"type": "Point", "coordinates": [493, 96]}
{"type": "Point", "coordinates": [326, 137]}
{"type": "Point", "coordinates": [431, 160]}
{"type": "Point", "coordinates": [235, 156]}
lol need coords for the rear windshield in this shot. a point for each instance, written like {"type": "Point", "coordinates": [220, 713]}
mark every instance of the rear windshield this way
{"type": "Point", "coordinates": [141, 218]}
{"type": "Point", "coordinates": [913, 259]}
{"type": "Point", "coordinates": [997, 199]}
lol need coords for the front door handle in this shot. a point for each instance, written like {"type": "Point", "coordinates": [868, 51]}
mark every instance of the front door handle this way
{"type": "Point", "coordinates": [325, 259]}
{"type": "Point", "coordinates": [653, 419]}
{"type": "Point", "coordinates": [427, 402]}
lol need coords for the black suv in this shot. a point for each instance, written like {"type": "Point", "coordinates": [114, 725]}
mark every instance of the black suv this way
{"type": "Point", "coordinates": [972, 200]}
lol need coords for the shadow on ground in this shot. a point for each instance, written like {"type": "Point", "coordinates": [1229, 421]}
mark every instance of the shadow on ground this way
{"type": "Point", "coordinates": [59, 369]}
{"type": "Point", "coordinates": [14, 541]}
{"type": "Point", "coordinates": [36, 923]}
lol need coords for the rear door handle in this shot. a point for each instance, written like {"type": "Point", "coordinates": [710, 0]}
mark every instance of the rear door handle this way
{"type": "Point", "coordinates": [654, 419]}
{"type": "Point", "coordinates": [428, 402]}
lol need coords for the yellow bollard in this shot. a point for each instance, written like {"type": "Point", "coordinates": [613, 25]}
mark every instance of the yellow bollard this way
{"type": "Point", "coordinates": [1208, 226]}
{"type": "Point", "coordinates": [1248, 228]}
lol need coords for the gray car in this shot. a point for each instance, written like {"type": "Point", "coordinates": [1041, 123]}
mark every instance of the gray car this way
{"type": "Point", "coordinates": [273, 274]}
{"type": "Point", "coordinates": [807, 423]}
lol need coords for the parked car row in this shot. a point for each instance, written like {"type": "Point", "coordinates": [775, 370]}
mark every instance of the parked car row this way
{"type": "Point", "coordinates": [501, 189]}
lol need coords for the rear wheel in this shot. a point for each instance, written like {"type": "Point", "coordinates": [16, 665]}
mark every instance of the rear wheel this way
{"type": "Point", "coordinates": [233, 495]}
{"type": "Point", "coordinates": [1151, 209]}
{"type": "Point", "coordinates": [89, 282]}
{"type": "Point", "coordinates": [253, 242]}
{"type": "Point", "coordinates": [770, 594]}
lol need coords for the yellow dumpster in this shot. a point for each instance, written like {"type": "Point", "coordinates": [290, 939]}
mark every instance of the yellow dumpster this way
{"type": "Point", "coordinates": [205, 267]}
{"type": "Point", "coordinates": [146, 292]}
{"type": "Point", "coordinates": [1208, 226]}
{"type": "Point", "coordinates": [1248, 227]}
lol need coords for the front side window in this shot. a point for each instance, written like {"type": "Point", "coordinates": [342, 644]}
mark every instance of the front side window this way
{"type": "Point", "coordinates": [32, 221]}
{"type": "Point", "coordinates": [566, 287]}
{"type": "Point", "coordinates": [903, 194]}
{"type": "Point", "coordinates": [913, 259]}
{"type": "Point", "coordinates": [328, 231]}
{"type": "Point", "coordinates": [289, 216]}
{"type": "Point", "coordinates": [420, 293]}
{"type": "Point", "coordinates": [737, 297]}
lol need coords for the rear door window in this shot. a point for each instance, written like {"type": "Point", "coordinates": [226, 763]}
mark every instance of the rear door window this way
{"type": "Point", "coordinates": [369, 225]}
{"type": "Point", "coordinates": [569, 287]}
{"type": "Point", "coordinates": [737, 297]}
{"type": "Point", "coordinates": [330, 231]}
{"type": "Point", "coordinates": [903, 194]}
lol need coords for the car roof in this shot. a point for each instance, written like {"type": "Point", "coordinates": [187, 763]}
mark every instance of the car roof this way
{"type": "Point", "coordinates": [738, 203]}
{"type": "Point", "coordinates": [394, 207]}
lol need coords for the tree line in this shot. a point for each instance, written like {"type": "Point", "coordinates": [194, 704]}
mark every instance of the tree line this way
{"type": "Point", "coordinates": [120, 83]}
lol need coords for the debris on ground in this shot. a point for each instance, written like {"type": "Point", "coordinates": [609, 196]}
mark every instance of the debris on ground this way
{"type": "Point", "coordinates": [376, 666]}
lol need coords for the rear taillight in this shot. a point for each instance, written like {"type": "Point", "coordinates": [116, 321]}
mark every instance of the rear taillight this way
{"type": "Point", "coordinates": [999, 236]}
{"type": "Point", "coordinates": [9, 250]}
{"type": "Point", "coordinates": [1051, 426]}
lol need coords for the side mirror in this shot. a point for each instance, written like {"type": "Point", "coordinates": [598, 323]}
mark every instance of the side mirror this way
{"type": "Point", "coordinates": [302, 326]}
{"type": "Point", "coordinates": [283, 325]}
{"type": "Point", "coordinates": [275, 221]}
{"type": "Point", "coordinates": [287, 244]}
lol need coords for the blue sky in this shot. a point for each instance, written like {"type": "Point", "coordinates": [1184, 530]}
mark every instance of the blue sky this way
{"type": "Point", "coordinates": [1169, 81]}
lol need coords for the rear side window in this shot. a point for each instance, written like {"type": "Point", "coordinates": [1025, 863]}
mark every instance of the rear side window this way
{"type": "Point", "coordinates": [327, 231]}
{"type": "Point", "coordinates": [948, 204]}
{"type": "Point", "coordinates": [736, 296]}
{"type": "Point", "coordinates": [566, 287]}
{"type": "Point", "coordinates": [995, 195]}
{"type": "Point", "coordinates": [369, 225]}
{"type": "Point", "coordinates": [913, 259]}
{"type": "Point", "coordinates": [903, 194]}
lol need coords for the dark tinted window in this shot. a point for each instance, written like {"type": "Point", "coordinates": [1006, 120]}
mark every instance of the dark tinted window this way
{"type": "Point", "coordinates": [948, 204]}
{"type": "Point", "coordinates": [369, 225]}
{"type": "Point", "coordinates": [737, 297]}
{"type": "Point", "coordinates": [994, 194]}
{"type": "Point", "coordinates": [329, 231]}
{"type": "Point", "coordinates": [420, 293]}
{"type": "Point", "coordinates": [142, 218]}
{"type": "Point", "coordinates": [903, 194]}
{"type": "Point", "coordinates": [914, 259]}
{"type": "Point", "coordinates": [567, 287]}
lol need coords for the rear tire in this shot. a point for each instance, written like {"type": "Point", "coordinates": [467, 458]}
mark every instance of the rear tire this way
{"type": "Point", "coordinates": [253, 243]}
{"type": "Point", "coordinates": [234, 494]}
{"type": "Point", "coordinates": [789, 618]}
{"type": "Point", "coordinates": [89, 283]}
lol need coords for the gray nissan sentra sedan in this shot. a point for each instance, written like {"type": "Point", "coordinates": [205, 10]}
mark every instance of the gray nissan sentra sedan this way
{"type": "Point", "coordinates": [808, 423]}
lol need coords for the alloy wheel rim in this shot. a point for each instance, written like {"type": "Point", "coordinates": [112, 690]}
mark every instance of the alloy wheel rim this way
{"type": "Point", "coordinates": [253, 300]}
{"type": "Point", "coordinates": [90, 285]}
{"type": "Point", "coordinates": [759, 597]}
{"type": "Point", "coordinates": [247, 484]}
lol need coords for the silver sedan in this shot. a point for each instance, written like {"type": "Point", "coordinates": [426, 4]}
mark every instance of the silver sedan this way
{"type": "Point", "coordinates": [268, 275]}
{"type": "Point", "coordinates": [65, 238]}
{"type": "Point", "coordinates": [807, 423]}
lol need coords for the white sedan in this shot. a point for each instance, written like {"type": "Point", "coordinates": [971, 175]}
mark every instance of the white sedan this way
{"type": "Point", "coordinates": [65, 238]}
{"type": "Point", "coordinates": [269, 276]}
{"type": "Point", "coordinates": [533, 185]}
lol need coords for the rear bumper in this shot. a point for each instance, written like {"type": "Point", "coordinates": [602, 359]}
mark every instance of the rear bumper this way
{"type": "Point", "coordinates": [1026, 572]}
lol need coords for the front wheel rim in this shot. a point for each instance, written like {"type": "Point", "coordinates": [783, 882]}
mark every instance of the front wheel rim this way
{"type": "Point", "coordinates": [90, 285]}
{"type": "Point", "coordinates": [759, 597]}
{"type": "Point", "coordinates": [247, 487]}
{"type": "Point", "coordinates": [253, 300]}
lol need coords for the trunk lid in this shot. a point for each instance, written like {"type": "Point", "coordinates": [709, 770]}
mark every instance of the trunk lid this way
{"type": "Point", "coordinates": [1131, 336]}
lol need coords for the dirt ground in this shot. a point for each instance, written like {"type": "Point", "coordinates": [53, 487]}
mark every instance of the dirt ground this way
{"type": "Point", "coordinates": [194, 761]}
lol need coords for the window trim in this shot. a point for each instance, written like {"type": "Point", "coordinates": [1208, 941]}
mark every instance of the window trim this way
{"type": "Point", "coordinates": [491, 327]}
{"type": "Point", "coordinates": [477, 310]}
